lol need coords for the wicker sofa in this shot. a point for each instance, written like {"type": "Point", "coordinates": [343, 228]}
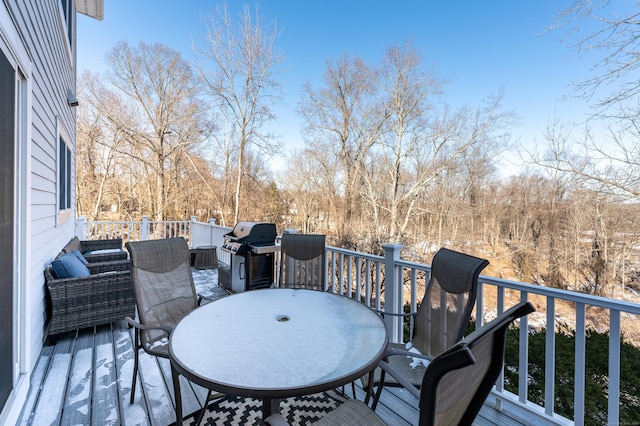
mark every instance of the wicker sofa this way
{"type": "Point", "coordinates": [106, 295]}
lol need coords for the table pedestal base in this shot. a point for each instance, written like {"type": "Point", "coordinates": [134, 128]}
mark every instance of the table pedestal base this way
{"type": "Point", "coordinates": [270, 406]}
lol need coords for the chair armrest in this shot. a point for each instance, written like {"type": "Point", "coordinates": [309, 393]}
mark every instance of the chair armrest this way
{"type": "Point", "coordinates": [118, 266]}
{"type": "Point", "coordinates": [92, 245]}
{"type": "Point", "coordinates": [114, 278]}
{"type": "Point", "coordinates": [395, 351]}
{"type": "Point", "coordinates": [402, 380]}
{"type": "Point", "coordinates": [404, 314]}
{"type": "Point", "coordinates": [202, 297]}
{"type": "Point", "coordinates": [105, 257]}
{"type": "Point", "coordinates": [135, 324]}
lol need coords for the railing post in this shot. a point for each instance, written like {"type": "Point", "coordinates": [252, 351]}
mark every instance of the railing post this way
{"type": "Point", "coordinates": [393, 292]}
{"type": "Point", "coordinates": [212, 223]}
{"type": "Point", "coordinates": [144, 229]}
{"type": "Point", "coordinates": [191, 227]}
{"type": "Point", "coordinates": [81, 230]}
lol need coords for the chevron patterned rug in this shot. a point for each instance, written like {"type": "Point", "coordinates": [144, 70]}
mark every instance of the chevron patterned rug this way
{"type": "Point", "coordinates": [238, 411]}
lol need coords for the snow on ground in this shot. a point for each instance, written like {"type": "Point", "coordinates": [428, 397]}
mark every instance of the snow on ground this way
{"type": "Point", "coordinates": [206, 283]}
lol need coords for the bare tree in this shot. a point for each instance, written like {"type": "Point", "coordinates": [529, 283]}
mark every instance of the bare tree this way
{"type": "Point", "coordinates": [612, 29]}
{"type": "Point", "coordinates": [608, 163]}
{"type": "Point", "coordinates": [223, 166]}
{"type": "Point", "coordinates": [309, 192]}
{"type": "Point", "coordinates": [105, 123]}
{"type": "Point", "coordinates": [241, 63]}
{"type": "Point", "coordinates": [171, 118]}
{"type": "Point", "coordinates": [409, 95]}
{"type": "Point", "coordinates": [343, 114]}
{"type": "Point", "coordinates": [606, 157]}
{"type": "Point", "coordinates": [425, 140]}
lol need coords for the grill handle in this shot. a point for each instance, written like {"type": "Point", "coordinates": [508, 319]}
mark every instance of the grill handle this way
{"type": "Point", "coordinates": [241, 271]}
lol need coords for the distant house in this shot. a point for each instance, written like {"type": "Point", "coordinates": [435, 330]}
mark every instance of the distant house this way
{"type": "Point", "coordinates": [37, 173]}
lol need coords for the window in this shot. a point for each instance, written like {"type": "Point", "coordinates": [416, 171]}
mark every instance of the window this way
{"type": "Point", "coordinates": [64, 176]}
{"type": "Point", "coordinates": [67, 14]}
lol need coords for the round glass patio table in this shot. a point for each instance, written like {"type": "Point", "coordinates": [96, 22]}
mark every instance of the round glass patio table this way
{"type": "Point", "coordinates": [277, 343]}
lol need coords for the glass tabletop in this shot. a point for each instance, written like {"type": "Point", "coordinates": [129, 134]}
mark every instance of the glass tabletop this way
{"type": "Point", "coordinates": [278, 342]}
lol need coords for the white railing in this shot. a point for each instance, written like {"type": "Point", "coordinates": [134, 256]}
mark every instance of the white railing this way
{"type": "Point", "coordinates": [365, 277]}
{"type": "Point", "coordinates": [196, 233]}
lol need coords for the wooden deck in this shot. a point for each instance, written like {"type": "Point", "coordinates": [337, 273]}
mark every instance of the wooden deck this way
{"type": "Point", "coordinates": [84, 378]}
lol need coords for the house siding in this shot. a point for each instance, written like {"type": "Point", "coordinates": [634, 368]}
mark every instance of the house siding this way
{"type": "Point", "coordinates": [44, 38]}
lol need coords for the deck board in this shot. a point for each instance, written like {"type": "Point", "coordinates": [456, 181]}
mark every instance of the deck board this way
{"type": "Point", "coordinates": [105, 389]}
{"type": "Point", "coordinates": [387, 413]}
{"type": "Point", "coordinates": [79, 391]}
{"type": "Point", "coordinates": [37, 380]}
{"type": "Point", "coordinates": [51, 399]}
{"type": "Point", "coordinates": [63, 375]}
{"type": "Point", "coordinates": [136, 413]}
{"type": "Point", "coordinates": [158, 400]}
{"type": "Point", "coordinates": [190, 402]}
{"type": "Point", "coordinates": [85, 378]}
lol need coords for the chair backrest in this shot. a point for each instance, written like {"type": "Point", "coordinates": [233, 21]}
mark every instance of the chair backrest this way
{"type": "Point", "coordinates": [163, 284]}
{"type": "Point", "coordinates": [457, 382]}
{"type": "Point", "coordinates": [448, 301]}
{"type": "Point", "coordinates": [303, 261]}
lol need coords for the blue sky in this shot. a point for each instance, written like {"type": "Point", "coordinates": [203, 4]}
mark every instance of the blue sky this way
{"type": "Point", "coordinates": [479, 46]}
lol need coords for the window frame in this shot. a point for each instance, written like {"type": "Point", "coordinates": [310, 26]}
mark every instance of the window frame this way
{"type": "Point", "coordinates": [64, 176]}
{"type": "Point", "coordinates": [12, 46]}
{"type": "Point", "coordinates": [66, 9]}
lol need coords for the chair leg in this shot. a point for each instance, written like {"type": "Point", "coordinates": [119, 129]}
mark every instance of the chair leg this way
{"type": "Point", "coordinates": [136, 350]}
{"type": "Point", "coordinates": [376, 398]}
{"type": "Point", "coordinates": [175, 378]}
{"type": "Point", "coordinates": [204, 407]}
{"type": "Point", "coordinates": [372, 375]}
{"type": "Point", "coordinates": [210, 397]}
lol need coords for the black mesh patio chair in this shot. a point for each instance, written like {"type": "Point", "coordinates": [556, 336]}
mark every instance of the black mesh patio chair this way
{"type": "Point", "coordinates": [455, 384]}
{"type": "Point", "coordinates": [302, 261]}
{"type": "Point", "coordinates": [441, 320]}
{"type": "Point", "coordinates": [164, 292]}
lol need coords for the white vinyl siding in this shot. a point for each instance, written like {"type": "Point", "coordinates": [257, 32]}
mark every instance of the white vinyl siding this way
{"type": "Point", "coordinates": [36, 28]}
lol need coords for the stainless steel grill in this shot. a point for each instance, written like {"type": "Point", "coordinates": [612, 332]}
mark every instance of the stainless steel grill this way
{"type": "Point", "coordinates": [252, 246]}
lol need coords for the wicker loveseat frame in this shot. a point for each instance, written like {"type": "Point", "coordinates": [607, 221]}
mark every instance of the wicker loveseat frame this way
{"type": "Point", "coordinates": [87, 247]}
{"type": "Point", "coordinates": [103, 297]}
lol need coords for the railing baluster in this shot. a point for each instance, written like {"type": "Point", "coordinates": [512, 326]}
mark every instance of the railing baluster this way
{"type": "Point", "coordinates": [499, 310]}
{"type": "Point", "coordinates": [580, 370]}
{"type": "Point", "coordinates": [614, 367]}
{"type": "Point", "coordinates": [341, 275]}
{"type": "Point", "coordinates": [349, 275]}
{"type": "Point", "coordinates": [523, 359]}
{"type": "Point", "coordinates": [413, 303]}
{"type": "Point", "coordinates": [358, 295]}
{"type": "Point", "coordinates": [549, 357]}
{"type": "Point", "coordinates": [378, 285]}
{"type": "Point", "coordinates": [479, 304]}
{"type": "Point", "coordinates": [367, 272]}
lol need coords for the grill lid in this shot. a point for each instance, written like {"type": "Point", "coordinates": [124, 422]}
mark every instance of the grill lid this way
{"type": "Point", "coordinates": [253, 233]}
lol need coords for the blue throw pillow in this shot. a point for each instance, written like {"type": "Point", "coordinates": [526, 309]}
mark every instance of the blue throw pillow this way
{"type": "Point", "coordinates": [80, 257]}
{"type": "Point", "coordinates": [69, 266]}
